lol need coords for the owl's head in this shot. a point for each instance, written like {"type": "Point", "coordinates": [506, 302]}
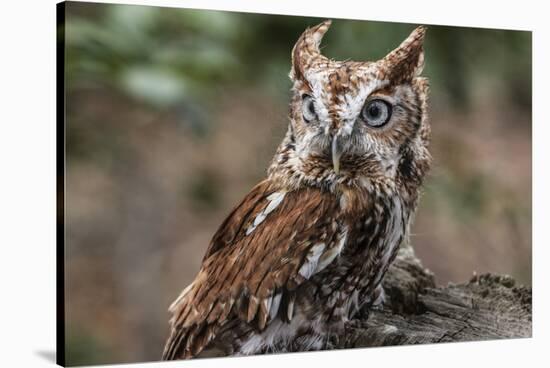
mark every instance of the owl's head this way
{"type": "Point", "coordinates": [357, 121]}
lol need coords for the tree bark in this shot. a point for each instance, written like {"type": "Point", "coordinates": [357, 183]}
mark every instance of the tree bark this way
{"type": "Point", "coordinates": [416, 311]}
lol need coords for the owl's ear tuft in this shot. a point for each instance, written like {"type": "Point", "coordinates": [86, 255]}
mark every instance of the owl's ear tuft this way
{"type": "Point", "coordinates": [406, 61]}
{"type": "Point", "coordinates": [306, 51]}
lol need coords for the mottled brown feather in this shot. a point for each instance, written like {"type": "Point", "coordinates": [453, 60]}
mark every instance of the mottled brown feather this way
{"type": "Point", "coordinates": [249, 268]}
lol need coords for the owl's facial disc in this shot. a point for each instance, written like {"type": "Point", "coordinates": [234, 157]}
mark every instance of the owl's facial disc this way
{"type": "Point", "coordinates": [352, 117]}
{"type": "Point", "coordinates": [333, 120]}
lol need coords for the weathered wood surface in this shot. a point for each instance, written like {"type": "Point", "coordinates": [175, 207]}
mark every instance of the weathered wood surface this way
{"type": "Point", "coordinates": [416, 311]}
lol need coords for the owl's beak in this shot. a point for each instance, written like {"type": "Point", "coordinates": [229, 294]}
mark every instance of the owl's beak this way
{"type": "Point", "coordinates": [336, 153]}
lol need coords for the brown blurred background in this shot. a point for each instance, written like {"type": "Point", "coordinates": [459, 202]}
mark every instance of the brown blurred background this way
{"type": "Point", "coordinates": [173, 115]}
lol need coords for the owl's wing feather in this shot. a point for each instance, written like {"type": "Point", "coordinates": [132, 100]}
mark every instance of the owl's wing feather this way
{"type": "Point", "coordinates": [230, 231]}
{"type": "Point", "coordinates": [270, 244]}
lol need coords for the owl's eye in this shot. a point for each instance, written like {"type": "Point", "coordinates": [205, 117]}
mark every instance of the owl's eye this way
{"type": "Point", "coordinates": [376, 113]}
{"type": "Point", "coordinates": [308, 109]}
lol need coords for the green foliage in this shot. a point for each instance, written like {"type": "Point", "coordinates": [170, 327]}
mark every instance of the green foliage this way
{"type": "Point", "coordinates": [158, 56]}
{"type": "Point", "coordinates": [163, 56]}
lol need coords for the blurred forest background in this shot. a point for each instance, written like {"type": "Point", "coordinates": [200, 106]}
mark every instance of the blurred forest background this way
{"type": "Point", "coordinates": [174, 114]}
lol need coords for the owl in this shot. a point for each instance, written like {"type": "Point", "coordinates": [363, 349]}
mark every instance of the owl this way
{"type": "Point", "coordinates": [308, 247]}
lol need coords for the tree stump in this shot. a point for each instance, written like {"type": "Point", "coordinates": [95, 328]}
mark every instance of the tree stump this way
{"type": "Point", "coordinates": [416, 311]}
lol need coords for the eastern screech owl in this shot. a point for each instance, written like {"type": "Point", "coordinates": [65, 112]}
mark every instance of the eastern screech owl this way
{"type": "Point", "coordinates": [308, 247]}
